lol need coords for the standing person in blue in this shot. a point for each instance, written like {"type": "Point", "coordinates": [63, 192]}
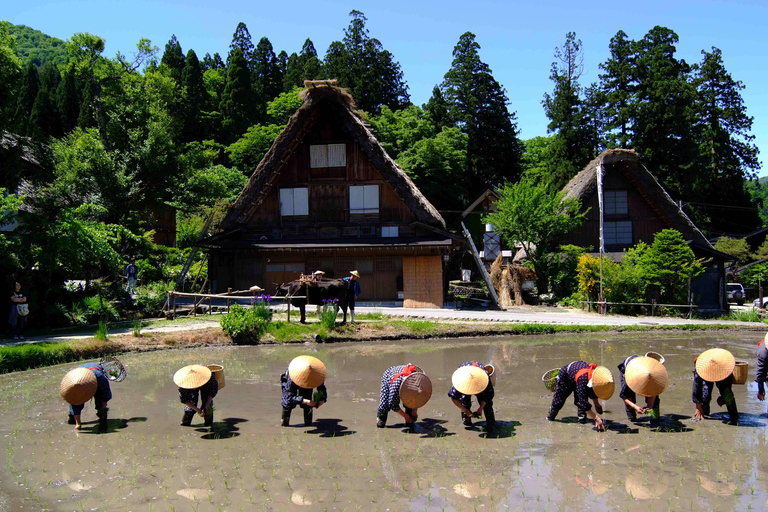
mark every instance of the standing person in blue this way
{"type": "Point", "coordinates": [762, 368]}
{"type": "Point", "coordinates": [196, 380]}
{"type": "Point", "coordinates": [407, 383]}
{"type": "Point", "coordinates": [644, 376]}
{"type": "Point", "coordinates": [714, 367]}
{"type": "Point", "coordinates": [80, 385]}
{"type": "Point", "coordinates": [353, 290]}
{"type": "Point", "coordinates": [131, 274]}
{"type": "Point", "coordinates": [471, 378]}
{"type": "Point", "coordinates": [587, 382]}
{"type": "Point", "coordinates": [303, 374]}
{"type": "Point", "coordinates": [18, 315]}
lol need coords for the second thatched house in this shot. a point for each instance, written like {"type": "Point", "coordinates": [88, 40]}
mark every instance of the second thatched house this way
{"type": "Point", "coordinates": [326, 196]}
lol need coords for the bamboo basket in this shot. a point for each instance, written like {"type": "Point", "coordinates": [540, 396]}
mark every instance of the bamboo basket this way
{"type": "Point", "coordinates": [218, 372]}
{"type": "Point", "coordinates": [740, 372]}
{"type": "Point", "coordinates": [491, 370]}
{"type": "Point", "coordinates": [550, 379]}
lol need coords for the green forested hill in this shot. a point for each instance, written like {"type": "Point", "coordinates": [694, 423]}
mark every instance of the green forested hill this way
{"type": "Point", "coordinates": [36, 47]}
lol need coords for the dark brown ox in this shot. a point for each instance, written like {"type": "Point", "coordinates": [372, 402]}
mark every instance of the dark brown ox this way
{"type": "Point", "coordinates": [317, 292]}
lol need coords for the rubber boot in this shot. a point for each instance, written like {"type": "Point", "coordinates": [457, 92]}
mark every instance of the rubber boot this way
{"type": "Point", "coordinates": [733, 414]}
{"type": "Point", "coordinates": [208, 418]}
{"type": "Point", "coordinates": [490, 417]}
{"type": "Point", "coordinates": [705, 409]}
{"type": "Point", "coordinates": [102, 415]}
{"type": "Point", "coordinates": [286, 417]}
{"type": "Point", "coordinates": [466, 420]}
{"type": "Point", "coordinates": [352, 315]}
{"type": "Point", "coordinates": [186, 420]}
{"type": "Point", "coordinates": [307, 416]}
{"type": "Point", "coordinates": [381, 419]}
{"type": "Point", "coordinates": [552, 413]}
{"type": "Point", "coordinates": [71, 420]}
{"type": "Point", "coordinates": [582, 417]}
{"type": "Point", "coordinates": [631, 413]}
{"type": "Point", "coordinates": [411, 426]}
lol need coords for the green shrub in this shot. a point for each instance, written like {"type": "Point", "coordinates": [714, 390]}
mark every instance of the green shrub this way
{"type": "Point", "coordinates": [246, 326]}
{"type": "Point", "coordinates": [328, 313]}
{"type": "Point", "coordinates": [151, 297]}
{"type": "Point", "coordinates": [101, 331]}
{"type": "Point", "coordinates": [98, 308]}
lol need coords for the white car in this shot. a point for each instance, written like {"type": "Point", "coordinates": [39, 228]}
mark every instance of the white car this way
{"type": "Point", "coordinates": [757, 302]}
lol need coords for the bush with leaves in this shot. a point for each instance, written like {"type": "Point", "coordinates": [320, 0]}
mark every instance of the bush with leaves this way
{"type": "Point", "coordinates": [328, 313]}
{"type": "Point", "coordinates": [564, 280]}
{"type": "Point", "coordinates": [151, 297]}
{"type": "Point", "coordinates": [246, 326]}
{"type": "Point", "coordinates": [669, 265]}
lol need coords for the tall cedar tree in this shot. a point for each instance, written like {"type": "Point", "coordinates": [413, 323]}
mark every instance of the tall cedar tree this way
{"type": "Point", "coordinates": [618, 88]}
{"type": "Point", "coordinates": [572, 146]}
{"type": "Point", "coordinates": [10, 73]}
{"type": "Point", "coordinates": [728, 154]}
{"type": "Point", "coordinates": [361, 64]}
{"type": "Point", "coordinates": [241, 40]}
{"type": "Point", "coordinates": [664, 113]}
{"type": "Point", "coordinates": [477, 104]}
{"type": "Point", "coordinates": [267, 80]}
{"type": "Point", "coordinates": [25, 99]}
{"type": "Point", "coordinates": [68, 101]}
{"type": "Point", "coordinates": [45, 119]}
{"type": "Point", "coordinates": [195, 98]}
{"type": "Point", "coordinates": [173, 58]}
{"type": "Point", "coordinates": [237, 99]}
{"type": "Point", "coordinates": [214, 62]}
{"type": "Point", "coordinates": [304, 66]}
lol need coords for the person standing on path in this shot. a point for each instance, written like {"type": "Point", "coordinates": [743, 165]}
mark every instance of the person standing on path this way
{"type": "Point", "coordinates": [587, 382]}
{"type": "Point", "coordinates": [17, 319]}
{"type": "Point", "coordinates": [131, 273]}
{"type": "Point", "coordinates": [353, 290]}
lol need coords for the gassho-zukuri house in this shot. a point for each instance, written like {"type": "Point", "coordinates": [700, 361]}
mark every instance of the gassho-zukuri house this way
{"type": "Point", "coordinates": [326, 196]}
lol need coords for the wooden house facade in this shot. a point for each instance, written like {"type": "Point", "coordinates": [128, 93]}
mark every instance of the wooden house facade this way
{"type": "Point", "coordinates": [636, 207]}
{"type": "Point", "coordinates": [326, 196]}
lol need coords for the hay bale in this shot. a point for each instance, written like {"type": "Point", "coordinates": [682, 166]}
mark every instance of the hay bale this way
{"type": "Point", "coordinates": [516, 282]}
{"type": "Point", "coordinates": [496, 269]}
{"type": "Point", "coordinates": [505, 291]}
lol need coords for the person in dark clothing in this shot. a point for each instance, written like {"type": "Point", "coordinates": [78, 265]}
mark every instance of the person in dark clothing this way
{"type": "Point", "coordinates": [100, 392]}
{"type": "Point", "coordinates": [389, 396]}
{"type": "Point", "coordinates": [652, 403]}
{"type": "Point", "coordinates": [762, 368]}
{"type": "Point", "coordinates": [297, 382]}
{"type": "Point", "coordinates": [587, 382]}
{"type": "Point", "coordinates": [714, 367]}
{"type": "Point", "coordinates": [464, 387]}
{"type": "Point", "coordinates": [196, 381]}
{"type": "Point", "coordinates": [17, 320]}
{"type": "Point", "coordinates": [353, 290]}
{"type": "Point", "coordinates": [131, 275]}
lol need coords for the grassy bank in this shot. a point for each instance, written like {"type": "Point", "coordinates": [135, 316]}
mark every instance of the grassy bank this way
{"type": "Point", "coordinates": [27, 356]}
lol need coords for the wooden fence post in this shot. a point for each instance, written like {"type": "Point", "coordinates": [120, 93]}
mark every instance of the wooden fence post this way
{"type": "Point", "coordinates": [229, 292]}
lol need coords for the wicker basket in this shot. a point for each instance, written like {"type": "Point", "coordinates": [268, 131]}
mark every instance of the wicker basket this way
{"type": "Point", "coordinates": [218, 372]}
{"type": "Point", "coordinates": [550, 379]}
{"type": "Point", "coordinates": [656, 356]}
{"type": "Point", "coordinates": [491, 370]}
{"type": "Point", "coordinates": [740, 372]}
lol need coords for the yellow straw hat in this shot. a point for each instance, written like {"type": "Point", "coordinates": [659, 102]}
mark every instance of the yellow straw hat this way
{"type": "Point", "coordinates": [355, 273]}
{"type": "Point", "coordinates": [715, 364]}
{"type": "Point", "coordinates": [78, 386]}
{"type": "Point", "coordinates": [646, 376]}
{"type": "Point", "coordinates": [415, 390]}
{"type": "Point", "coordinates": [602, 383]}
{"type": "Point", "coordinates": [470, 380]}
{"type": "Point", "coordinates": [307, 372]}
{"type": "Point", "coordinates": [192, 377]}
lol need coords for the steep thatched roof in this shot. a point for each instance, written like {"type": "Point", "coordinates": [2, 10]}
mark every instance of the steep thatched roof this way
{"type": "Point", "coordinates": [292, 136]}
{"type": "Point", "coordinates": [584, 184]}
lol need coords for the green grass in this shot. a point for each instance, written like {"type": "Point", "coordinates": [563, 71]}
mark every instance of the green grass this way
{"type": "Point", "coordinates": [419, 326]}
{"type": "Point", "coordinates": [750, 315]}
{"type": "Point", "coordinates": [24, 357]}
{"type": "Point", "coordinates": [294, 331]}
{"type": "Point", "coordinates": [371, 316]}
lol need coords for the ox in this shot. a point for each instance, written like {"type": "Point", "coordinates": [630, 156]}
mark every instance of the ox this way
{"type": "Point", "coordinates": [316, 292]}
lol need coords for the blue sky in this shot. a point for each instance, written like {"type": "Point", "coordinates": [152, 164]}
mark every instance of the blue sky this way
{"type": "Point", "coordinates": [517, 38]}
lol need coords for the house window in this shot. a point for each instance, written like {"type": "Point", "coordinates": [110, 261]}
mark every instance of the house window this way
{"type": "Point", "coordinates": [294, 202]}
{"type": "Point", "coordinates": [389, 231]}
{"type": "Point", "coordinates": [615, 202]}
{"type": "Point", "coordinates": [618, 233]}
{"type": "Point", "coordinates": [327, 155]}
{"type": "Point", "coordinates": [364, 199]}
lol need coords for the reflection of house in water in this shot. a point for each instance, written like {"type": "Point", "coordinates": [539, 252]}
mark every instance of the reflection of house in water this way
{"type": "Point", "coordinates": [327, 196]}
{"type": "Point", "coordinates": [636, 207]}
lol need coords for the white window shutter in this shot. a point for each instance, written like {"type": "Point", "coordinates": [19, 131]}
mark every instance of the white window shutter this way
{"type": "Point", "coordinates": [371, 198]}
{"type": "Point", "coordinates": [356, 200]}
{"type": "Point", "coordinates": [337, 155]}
{"type": "Point", "coordinates": [301, 201]}
{"type": "Point", "coordinates": [286, 201]}
{"type": "Point", "coordinates": [318, 155]}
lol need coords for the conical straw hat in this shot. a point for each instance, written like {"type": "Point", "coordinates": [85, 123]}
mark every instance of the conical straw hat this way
{"type": "Point", "coordinates": [646, 376]}
{"type": "Point", "coordinates": [416, 390]}
{"type": "Point", "coordinates": [715, 364]}
{"type": "Point", "coordinates": [78, 386]}
{"type": "Point", "coordinates": [602, 383]}
{"type": "Point", "coordinates": [307, 372]}
{"type": "Point", "coordinates": [470, 380]}
{"type": "Point", "coordinates": [192, 376]}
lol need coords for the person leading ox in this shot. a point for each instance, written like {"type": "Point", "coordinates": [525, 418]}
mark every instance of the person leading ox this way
{"type": "Point", "coordinates": [587, 382]}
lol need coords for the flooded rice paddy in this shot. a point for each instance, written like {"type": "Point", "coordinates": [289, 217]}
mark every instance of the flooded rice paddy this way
{"type": "Point", "coordinates": [147, 462]}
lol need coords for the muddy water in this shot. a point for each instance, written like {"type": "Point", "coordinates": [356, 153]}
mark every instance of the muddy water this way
{"type": "Point", "coordinates": [147, 462]}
